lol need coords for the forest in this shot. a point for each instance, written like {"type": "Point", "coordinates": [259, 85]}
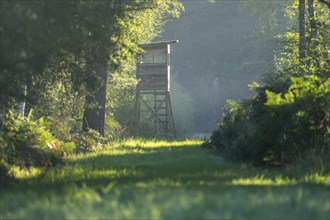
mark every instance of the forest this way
{"type": "Point", "coordinates": [247, 97]}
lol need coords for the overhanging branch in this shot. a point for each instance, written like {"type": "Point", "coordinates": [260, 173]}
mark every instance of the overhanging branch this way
{"type": "Point", "coordinates": [327, 3]}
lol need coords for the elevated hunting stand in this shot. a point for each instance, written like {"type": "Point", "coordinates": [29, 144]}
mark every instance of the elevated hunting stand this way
{"type": "Point", "coordinates": [153, 88]}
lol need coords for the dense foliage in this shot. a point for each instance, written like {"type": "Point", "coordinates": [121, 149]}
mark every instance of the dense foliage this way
{"type": "Point", "coordinates": [56, 56]}
{"type": "Point", "coordinates": [25, 142]}
{"type": "Point", "coordinates": [70, 63]}
{"type": "Point", "coordinates": [289, 117]}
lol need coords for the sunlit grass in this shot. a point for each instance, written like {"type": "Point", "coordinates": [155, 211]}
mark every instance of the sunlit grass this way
{"type": "Point", "coordinates": [164, 180]}
{"type": "Point", "coordinates": [280, 180]}
{"type": "Point", "coordinates": [261, 181]}
{"type": "Point", "coordinates": [146, 143]}
{"type": "Point", "coordinates": [21, 174]}
{"type": "Point", "coordinates": [318, 178]}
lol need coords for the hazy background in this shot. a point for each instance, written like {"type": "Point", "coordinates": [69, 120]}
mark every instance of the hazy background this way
{"type": "Point", "coordinates": [218, 55]}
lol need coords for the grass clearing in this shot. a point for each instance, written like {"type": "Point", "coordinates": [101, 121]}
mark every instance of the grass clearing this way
{"type": "Point", "coordinates": [165, 180]}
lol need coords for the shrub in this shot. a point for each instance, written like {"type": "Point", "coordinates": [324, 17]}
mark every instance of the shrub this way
{"type": "Point", "coordinates": [88, 141]}
{"type": "Point", "coordinates": [305, 115]}
{"type": "Point", "coordinates": [278, 127]}
{"type": "Point", "coordinates": [26, 142]}
{"type": "Point", "coordinates": [113, 129]}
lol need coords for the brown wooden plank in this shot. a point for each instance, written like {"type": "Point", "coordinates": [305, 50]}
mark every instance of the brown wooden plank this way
{"type": "Point", "coordinates": [158, 44]}
{"type": "Point", "coordinates": [149, 71]}
{"type": "Point", "coordinates": [151, 65]}
{"type": "Point", "coordinates": [152, 83]}
{"type": "Point", "coordinates": [151, 76]}
{"type": "Point", "coordinates": [152, 88]}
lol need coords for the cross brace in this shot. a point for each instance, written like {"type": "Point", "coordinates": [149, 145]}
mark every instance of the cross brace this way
{"type": "Point", "coordinates": [159, 111]}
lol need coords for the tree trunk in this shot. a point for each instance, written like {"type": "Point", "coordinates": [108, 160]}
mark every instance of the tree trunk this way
{"type": "Point", "coordinates": [311, 17]}
{"type": "Point", "coordinates": [313, 32]}
{"type": "Point", "coordinates": [3, 104]}
{"type": "Point", "coordinates": [22, 103]}
{"type": "Point", "coordinates": [94, 112]}
{"type": "Point", "coordinates": [302, 30]}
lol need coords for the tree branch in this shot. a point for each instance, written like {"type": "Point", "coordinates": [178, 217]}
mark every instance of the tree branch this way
{"type": "Point", "coordinates": [327, 3]}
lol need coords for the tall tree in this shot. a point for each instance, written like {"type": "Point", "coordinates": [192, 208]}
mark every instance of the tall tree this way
{"type": "Point", "coordinates": [94, 110]}
{"type": "Point", "coordinates": [101, 24]}
{"type": "Point", "coordinates": [302, 30]}
{"type": "Point", "coordinates": [311, 18]}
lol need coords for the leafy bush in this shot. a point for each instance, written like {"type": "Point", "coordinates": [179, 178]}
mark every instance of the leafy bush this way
{"type": "Point", "coordinates": [88, 141]}
{"type": "Point", "coordinates": [278, 127]}
{"type": "Point", "coordinates": [63, 128]}
{"type": "Point", "coordinates": [305, 115]}
{"type": "Point", "coordinates": [26, 142]}
{"type": "Point", "coordinates": [113, 129]}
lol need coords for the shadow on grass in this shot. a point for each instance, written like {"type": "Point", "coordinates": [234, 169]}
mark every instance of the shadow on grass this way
{"type": "Point", "coordinates": [171, 167]}
{"type": "Point", "coordinates": [176, 181]}
{"type": "Point", "coordinates": [187, 165]}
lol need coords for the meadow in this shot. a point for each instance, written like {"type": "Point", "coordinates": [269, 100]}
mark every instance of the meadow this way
{"type": "Point", "coordinates": [151, 179]}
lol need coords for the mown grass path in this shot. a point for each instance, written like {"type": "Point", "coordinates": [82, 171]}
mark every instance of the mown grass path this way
{"type": "Point", "coordinates": [165, 180]}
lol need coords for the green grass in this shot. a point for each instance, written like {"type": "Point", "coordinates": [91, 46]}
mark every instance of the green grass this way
{"type": "Point", "coordinates": [164, 180]}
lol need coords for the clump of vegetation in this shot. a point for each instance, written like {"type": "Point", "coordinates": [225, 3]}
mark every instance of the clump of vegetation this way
{"type": "Point", "coordinates": [278, 127]}
{"type": "Point", "coordinates": [88, 141]}
{"type": "Point", "coordinates": [26, 142]}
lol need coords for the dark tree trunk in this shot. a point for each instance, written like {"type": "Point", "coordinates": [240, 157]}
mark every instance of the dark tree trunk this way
{"type": "Point", "coordinates": [302, 30]}
{"type": "Point", "coordinates": [313, 32]}
{"type": "Point", "coordinates": [94, 109]}
{"type": "Point", "coordinates": [311, 17]}
{"type": "Point", "coordinates": [3, 104]}
{"type": "Point", "coordinates": [94, 112]}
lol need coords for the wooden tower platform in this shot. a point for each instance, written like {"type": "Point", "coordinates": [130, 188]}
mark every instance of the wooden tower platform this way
{"type": "Point", "coordinates": [153, 99]}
